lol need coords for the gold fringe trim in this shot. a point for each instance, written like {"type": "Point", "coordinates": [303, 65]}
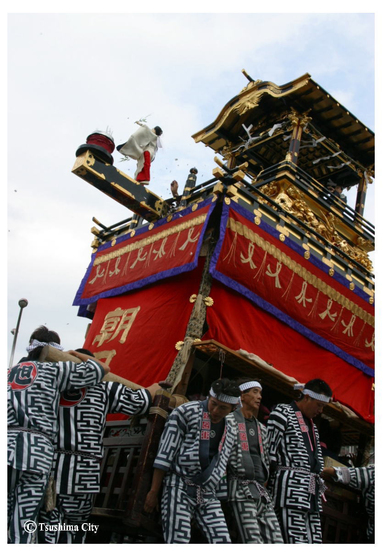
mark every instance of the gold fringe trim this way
{"type": "Point", "coordinates": [150, 239]}
{"type": "Point", "coordinates": [316, 282]}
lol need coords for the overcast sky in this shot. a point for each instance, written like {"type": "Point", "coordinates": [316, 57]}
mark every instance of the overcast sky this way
{"type": "Point", "coordinates": [70, 74]}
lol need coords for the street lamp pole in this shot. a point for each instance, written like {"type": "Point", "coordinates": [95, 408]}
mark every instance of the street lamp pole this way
{"type": "Point", "coordinates": [22, 303]}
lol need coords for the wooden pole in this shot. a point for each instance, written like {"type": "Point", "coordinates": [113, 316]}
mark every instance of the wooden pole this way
{"type": "Point", "coordinates": [361, 195]}
{"type": "Point", "coordinates": [54, 355]}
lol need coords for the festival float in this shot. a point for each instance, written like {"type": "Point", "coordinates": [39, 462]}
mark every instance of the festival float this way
{"type": "Point", "coordinates": [261, 271]}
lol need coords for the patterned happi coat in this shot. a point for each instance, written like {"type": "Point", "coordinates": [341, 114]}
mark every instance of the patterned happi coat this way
{"type": "Point", "coordinates": [288, 449]}
{"type": "Point", "coordinates": [186, 432]}
{"type": "Point", "coordinates": [238, 484]}
{"type": "Point", "coordinates": [82, 420]}
{"type": "Point", "coordinates": [361, 478]}
{"type": "Point", "coordinates": [34, 391]}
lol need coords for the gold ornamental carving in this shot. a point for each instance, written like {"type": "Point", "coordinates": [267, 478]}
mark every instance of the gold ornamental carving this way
{"type": "Point", "coordinates": [299, 119]}
{"type": "Point", "coordinates": [249, 101]}
{"type": "Point", "coordinates": [250, 85]}
{"type": "Point", "coordinates": [293, 202]}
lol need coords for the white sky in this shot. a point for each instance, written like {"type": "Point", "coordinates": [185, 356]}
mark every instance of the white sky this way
{"type": "Point", "coordinates": [72, 73]}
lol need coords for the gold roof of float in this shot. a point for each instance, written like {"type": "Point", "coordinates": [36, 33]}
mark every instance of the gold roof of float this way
{"type": "Point", "coordinates": [247, 129]}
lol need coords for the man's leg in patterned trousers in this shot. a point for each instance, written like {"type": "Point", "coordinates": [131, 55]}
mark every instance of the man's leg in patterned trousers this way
{"type": "Point", "coordinates": [178, 509]}
{"type": "Point", "coordinates": [299, 526]}
{"type": "Point", "coordinates": [211, 520]}
{"type": "Point", "coordinates": [256, 521]}
{"type": "Point", "coordinates": [26, 492]}
{"type": "Point", "coordinates": [76, 510]}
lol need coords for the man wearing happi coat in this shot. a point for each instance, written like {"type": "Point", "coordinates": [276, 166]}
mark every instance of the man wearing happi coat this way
{"type": "Point", "coordinates": [191, 463]}
{"type": "Point", "coordinates": [297, 462]}
{"type": "Point", "coordinates": [248, 471]}
{"type": "Point", "coordinates": [34, 390]}
{"type": "Point", "coordinates": [142, 146]}
{"type": "Point", "coordinates": [359, 478]}
{"type": "Point", "coordinates": [79, 451]}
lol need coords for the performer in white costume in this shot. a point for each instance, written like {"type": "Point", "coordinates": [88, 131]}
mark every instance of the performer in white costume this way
{"type": "Point", "coordinates": [142, 146]}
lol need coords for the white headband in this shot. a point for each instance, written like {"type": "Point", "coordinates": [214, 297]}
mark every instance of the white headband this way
{"type": "Point", "coordinates": [314, 395]}
{"type": "Point", "coordinates": [36, 344]}
{"type": "Point", "coordinates": [223, 397]}
{"type": "Point", "coordinates": [248, 385]}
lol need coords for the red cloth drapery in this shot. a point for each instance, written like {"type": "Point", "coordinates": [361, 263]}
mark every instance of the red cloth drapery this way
{"type": "Point", "coordinates": [136, 333]}
{"type": "Point", "coordinates": [239, 324]}
{"type": "Point", "coordinates": [147, 255]}
{"type": "Point", "coordinates": [300, 292]}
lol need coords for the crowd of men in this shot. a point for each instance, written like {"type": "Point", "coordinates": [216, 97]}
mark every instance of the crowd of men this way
{"type": "Point", "coordinates": [211, 452]}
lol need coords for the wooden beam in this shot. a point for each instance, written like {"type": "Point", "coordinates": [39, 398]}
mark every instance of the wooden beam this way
{"type": "Point", "coordinates": [120, 187]}
{"type": "Point", "coordinates": [54, 355]}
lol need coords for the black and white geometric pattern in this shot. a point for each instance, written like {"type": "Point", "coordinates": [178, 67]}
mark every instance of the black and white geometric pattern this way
{"type": "Point", "coordinates": [33, 395]}
{"type": "Point", "coordinates": [179, 456]}
{"type": "Point", "coordinates": [237, 489]}
{"type": "Point", "coordinates": [178, 451]}
{"type": "Point", "coordinates": [82, 420]}
{"type": "Point", "coordinates": [362, 478]}
{"type": "Point", "coordinates": [290, 486]}
{"type": "Point", "coordinates": [178, 509]}
{"type": "Point", "coordinates": [69, 516]}
{"type": "Point", "coordinates": [288, 449]}
{"type": "Point", "coordinates": [256, 519]}
{"type": "Point", "coordinates": [34, 391]}
{"type": "Point", "coordinates": [25, 497]}
{"type": "Point", "coordinates": [299, 526]}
